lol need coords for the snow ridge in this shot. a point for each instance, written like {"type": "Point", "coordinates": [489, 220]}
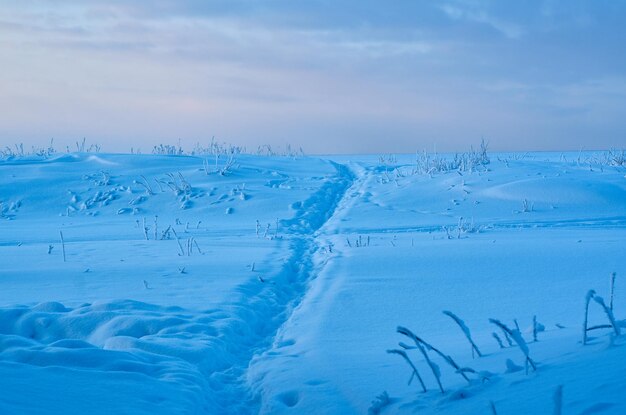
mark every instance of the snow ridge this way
{"type": "Point", "coordinates": [320, 252]}
{"type": "Point", "coordinates": [266, 310]}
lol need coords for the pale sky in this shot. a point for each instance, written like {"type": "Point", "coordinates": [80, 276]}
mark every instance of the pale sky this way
{"type": "Point", "coordinates": [353, 76]}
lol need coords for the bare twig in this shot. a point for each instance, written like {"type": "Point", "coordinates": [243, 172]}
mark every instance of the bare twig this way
{"type": "Point", "coordinates": [613, 275]}
{"type": "Point", "coordinates": [419, 343]}
{"type": "Point", "coordinates": [63, 245]}
{"type": "Point", "coordinates": [415, 373]}
{"type": "Point", "coordinates": [517, 336]}
{"type": "Point", "coordinates": [465, 330]}
{"type": "Point", "coordinates": [558, 400]}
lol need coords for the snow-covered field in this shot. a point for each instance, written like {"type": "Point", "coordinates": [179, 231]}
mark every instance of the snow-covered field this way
{"type": "Point", "coordinates": [278, 286]}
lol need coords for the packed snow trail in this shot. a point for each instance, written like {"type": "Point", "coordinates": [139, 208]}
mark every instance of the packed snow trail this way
{"type": "Point", "coordinates": [321, 252]}
{"type": "Point", "coordinates": [263, 310]}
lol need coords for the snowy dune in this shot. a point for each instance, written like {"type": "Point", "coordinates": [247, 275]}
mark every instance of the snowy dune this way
{"type": "Point", "coordinates": [277, 286]}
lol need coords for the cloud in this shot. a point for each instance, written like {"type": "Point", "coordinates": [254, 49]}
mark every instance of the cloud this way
{"type": "Point", "coordinates": [312, 72]}
{"type": "Point", "coordinates": [509, 29]}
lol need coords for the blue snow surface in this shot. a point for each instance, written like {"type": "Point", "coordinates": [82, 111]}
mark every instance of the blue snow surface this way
{"type": "Point", "coordinates": [152, 284]}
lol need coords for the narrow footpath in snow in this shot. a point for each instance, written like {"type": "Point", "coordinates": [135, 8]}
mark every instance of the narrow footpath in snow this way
{"type": "Point", "coordinates": [258, 321]}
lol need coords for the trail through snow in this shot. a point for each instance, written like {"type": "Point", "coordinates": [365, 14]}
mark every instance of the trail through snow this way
{"type": "Point", "coordinates": [268, 309]}
{"type": "Point", "coordinates": [277, 287]}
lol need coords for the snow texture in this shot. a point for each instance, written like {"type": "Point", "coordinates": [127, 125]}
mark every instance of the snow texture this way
{"type": "Point", "coordinates": [159, 284]}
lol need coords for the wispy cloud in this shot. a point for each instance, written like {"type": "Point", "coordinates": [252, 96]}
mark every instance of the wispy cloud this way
{"type": "Point", "coordinates": [477, 15]}
{"type": "Point", "coordinates": [414, 72]}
